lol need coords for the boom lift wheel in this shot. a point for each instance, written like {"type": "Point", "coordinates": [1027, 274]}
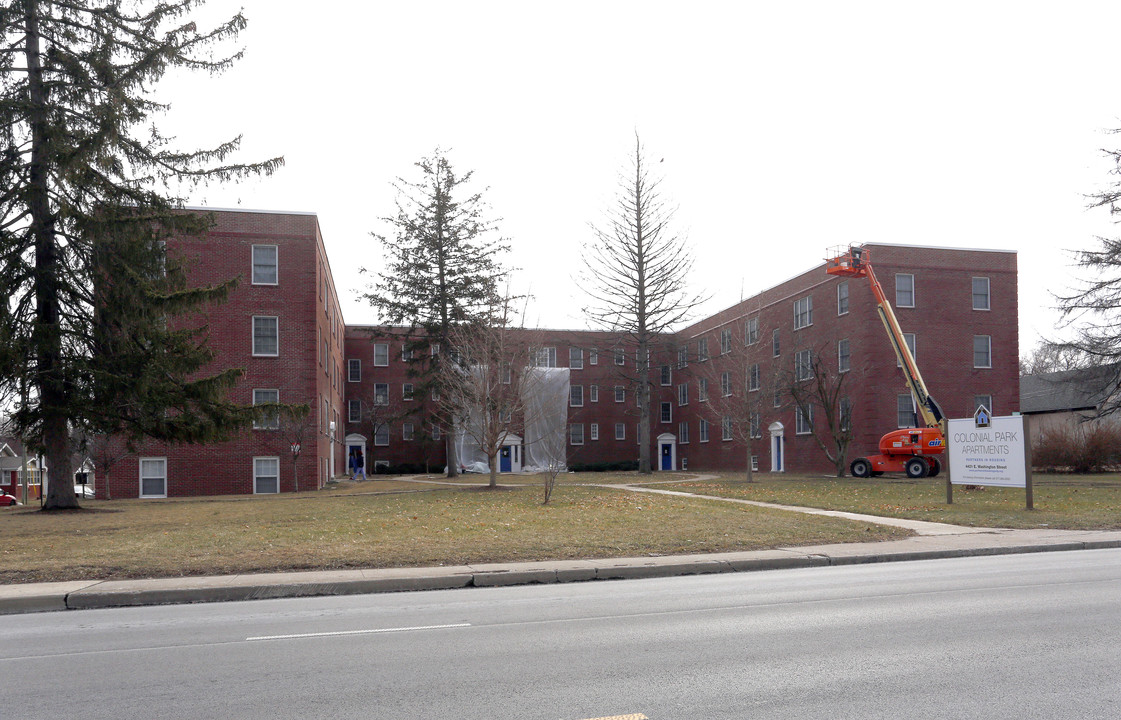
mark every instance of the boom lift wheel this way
{"type": "Point", "coordinates": [916, 467]}
{"type": "Point", "coordinates": [935, 467]}
{"type": "Point", "coordinates": [861, 468]}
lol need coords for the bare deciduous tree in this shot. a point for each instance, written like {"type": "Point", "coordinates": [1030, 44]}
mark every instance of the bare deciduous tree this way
{"type": "Point", "coordinates": [1090, 309]}
{"type": "Point", "coordinates": [296, 427]}
{"type": "Point", "coordinates": [734, 392]}
{"type": "Point", "coordinates": [636, 272]}
{"type": "Point", "coordinates": [817, 390]}
{"type": "Point", "coordinates": [487, 390]}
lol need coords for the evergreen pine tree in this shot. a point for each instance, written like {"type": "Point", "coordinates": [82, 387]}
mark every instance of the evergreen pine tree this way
{"type": "Point", "coordinates": [95, 332]}
{"type": "Point", "coordinates": [443, 270]}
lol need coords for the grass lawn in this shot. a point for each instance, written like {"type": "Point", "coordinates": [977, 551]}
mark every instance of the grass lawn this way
{"type": "Point", "coordinates": [388, 523]}
{"type": "Point", "coordinates": [1073, 502]}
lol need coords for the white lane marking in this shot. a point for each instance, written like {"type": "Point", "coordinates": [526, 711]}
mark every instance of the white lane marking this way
{"type": "Point", "coordinates": [356, 632]}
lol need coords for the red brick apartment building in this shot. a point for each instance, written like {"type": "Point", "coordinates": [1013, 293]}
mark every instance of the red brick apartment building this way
{"type": "Point", "coordinates": [283, 325]}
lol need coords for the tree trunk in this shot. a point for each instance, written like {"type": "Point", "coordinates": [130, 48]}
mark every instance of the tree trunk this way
{"type": "Point", "coordinates": [493, 462]}
{"type": "Point", "coordinates": [46, 336]}
{"type": "Point", "coordinates": [453, 458]}
{"type": "Point", "coordinates": [748, 473]}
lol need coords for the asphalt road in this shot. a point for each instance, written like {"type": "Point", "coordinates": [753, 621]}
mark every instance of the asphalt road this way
{"type": "Point", "coordinates": [1019, 636]}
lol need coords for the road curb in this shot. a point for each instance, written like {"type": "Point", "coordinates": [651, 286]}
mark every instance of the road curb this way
{"type": "Point", "coordinates": [87, 595]}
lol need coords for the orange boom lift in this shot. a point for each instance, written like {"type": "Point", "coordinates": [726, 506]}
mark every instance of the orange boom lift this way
{"type": "Point", "coordinates": [914, 451]}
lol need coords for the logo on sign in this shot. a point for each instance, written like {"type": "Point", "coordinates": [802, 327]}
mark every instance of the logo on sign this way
{"type": "Point", "coordinates": [982, 418]}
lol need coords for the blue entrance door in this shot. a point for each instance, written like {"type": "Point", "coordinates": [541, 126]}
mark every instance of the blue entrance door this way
{"type": "Point", "coordinates": [667, 456]}
{"type": "Point", "coordinates": [504, 459]}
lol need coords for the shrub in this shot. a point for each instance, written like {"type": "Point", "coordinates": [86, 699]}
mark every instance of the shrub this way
{"type": "Point", "coordinates": [624, 466]}
{"type": "Point", "coordinates": [1089, 447]}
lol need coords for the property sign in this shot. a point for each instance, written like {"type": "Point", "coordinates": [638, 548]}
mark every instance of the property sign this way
{"type": "Point", "coordinates": [986, 450]}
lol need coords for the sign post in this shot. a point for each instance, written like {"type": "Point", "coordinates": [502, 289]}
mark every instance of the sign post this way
{"type": "Point", "coordinates": [986, 450]}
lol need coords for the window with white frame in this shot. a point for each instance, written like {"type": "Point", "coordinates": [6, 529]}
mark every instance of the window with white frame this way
{"type": "Point", "coordinates": [434, 349]}
{"type": "Point", "coordinates": [406, 353]}
{"type": "Point", "coordinates": [803, 420]}
{"type": "Point", "coordinates": [983, 400]}
{"type": "Point", "coordinates": [777, 397]}
{"type": "Point", "coordinates": [507, 374]}
{"type": "Point", "coordinates": [682, 357]}
{"type": "Point", "coordinates": [354, 411]}
{"type": "Point", "coordinates": [683, 394]}
{"type": "Point", "coordinates": [593, 431]}
{"type": "Point", "coordinates": [354, 370]}
{"type": "Point", "coordinates": [381, 354]}
{"type": "Point", "coordinates": [751, 331]}
{"type": "Point", "coordinates": [271, 420]}
{"type": "Point", "coordinates": [905, 411]}
{"type": "Point", "coordinates": [753, 378]}
{"type": "Point", "coordinates": [844, 356]}
{"type": "Point", "coordinates": [407, 432]}
{"type": "Point", "coordinates": [667, 412]}
{"type": "Point", "coordinates": [620, 394]}
{"type": "Point", "coordinates": [803, 365]}
{"type": "Point", "coordinates": [843, 298]}
{"type": "Point", "coordinates": [725, 384]}
{"type": "Point", "coordinates": [725, 341]}
{"type": "Point", "coordinates": [702, 390]}
{"type": "Point", "coordinates": [153, 477]}
{"type": "Point", "coordinates": [620, 356]}
{"type": "Point", "coordinates": [266, 336]}
{"type": "Point", "coordinates": [803, 312]}
{"type": "Point", "coordinates": [726, 428]}
{"type": "Point", "coordinates": [381, 394]}
{"type": "Point", "coordinates": [753, 425]}
{"type": "Point", "coordinates": [505, 416]}
{"type": "Point", "coordinates": [593, 393]}
{"type": "Point", "coordinates": [844, 414]}
{"type": "Point", "coordinates": [981, 293]}
{"type": "Point", "coordinates": [775, 346]}
{"type": "Point", "coordinates": [381, 435]}
{"type": "Point", "coordinates": [620, 431]}
{"type": "Point", "coordinates": [265, 265]}
{"type": "Point", "coordinates": [576, 358]}
{"type": "Point", "coordinates": [545, 357]}
{"type": "Point", "coordinates": [436, 434]}
{"type": "Point", "coordinates": [593, 356]}
{"type": "Point", "coordinates": [407, 391]}
{"type": "Point", "coordinates": [667, 376]}
{"type": "Point", "coordinates": [904, 290]}
{"type": "Point", "coordinates": [683, 433]}
{"type": "Point", "coordinates": [982, 351]}
{"type": "Point", "coordinates": [576, 396]}
{"type": "Point", "coordinates": [702, 428]}
{"type": "Point", "coordinates": [702, 349]}
{"type": "Point", "coordinates": [266, 475]}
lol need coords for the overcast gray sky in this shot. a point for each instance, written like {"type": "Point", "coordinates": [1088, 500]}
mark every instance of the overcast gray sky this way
{"type": "Point", "coordinates": [785, 127]}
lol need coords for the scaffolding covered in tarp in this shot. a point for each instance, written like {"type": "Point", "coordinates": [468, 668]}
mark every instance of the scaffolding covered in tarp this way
{"type": "Point", "coordinates": [545, 398]}
{"type": "Point", "coordinates": [544, 424]}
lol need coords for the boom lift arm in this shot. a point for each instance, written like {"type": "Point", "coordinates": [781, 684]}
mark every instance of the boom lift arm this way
{"type": "Point", "coordinates": [897, 448]}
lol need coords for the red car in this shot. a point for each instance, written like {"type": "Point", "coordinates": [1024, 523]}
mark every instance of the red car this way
{"type": "Point", "coordinates": [7, 500]}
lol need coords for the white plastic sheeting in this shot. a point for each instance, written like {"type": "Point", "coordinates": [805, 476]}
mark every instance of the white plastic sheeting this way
{"type": "Point", "coordinates": [546, 411]}
{"type": "Point", "coordinates": [545, 394]}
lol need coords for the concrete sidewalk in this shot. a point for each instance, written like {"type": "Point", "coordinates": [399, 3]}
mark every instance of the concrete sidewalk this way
{"type": "Point", "coordinates": [933, 540]}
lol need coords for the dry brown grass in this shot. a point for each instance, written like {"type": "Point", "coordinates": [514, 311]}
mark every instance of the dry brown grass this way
{"type": "Point", "coordinates": [389, 524]}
